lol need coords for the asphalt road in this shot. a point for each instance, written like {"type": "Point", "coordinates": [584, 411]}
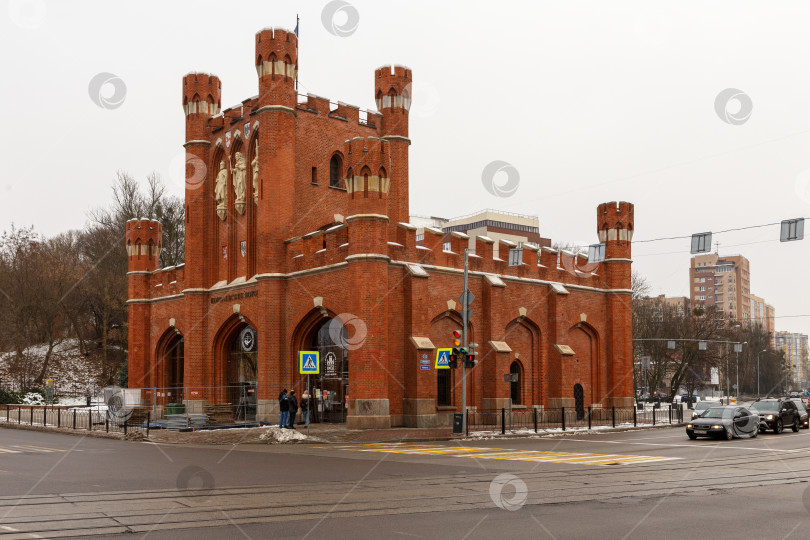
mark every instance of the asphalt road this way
{"type": "Point", "coordinates": [640, 484]}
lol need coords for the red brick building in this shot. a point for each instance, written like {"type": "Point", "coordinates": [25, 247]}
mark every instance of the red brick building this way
{"type": "Point", "coordinates": [296, 228]}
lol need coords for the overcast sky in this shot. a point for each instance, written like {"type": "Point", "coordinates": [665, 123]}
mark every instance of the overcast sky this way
{"type": "Point", "coordinates": [588, 101]}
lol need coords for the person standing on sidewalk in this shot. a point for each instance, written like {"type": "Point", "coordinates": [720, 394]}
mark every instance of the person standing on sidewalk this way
{"type": "Point", "coordinates": [305, 408]}
{"type": "Point", "coordinates": [293, 405]}
{"type": "Point", "coordinates": [283, 407]}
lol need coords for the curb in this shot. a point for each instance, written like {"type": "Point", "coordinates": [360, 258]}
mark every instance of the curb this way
{"type": "Point", "coordinates": [65, 431]}
{"type": "Point", "coordinates": [458, 437]}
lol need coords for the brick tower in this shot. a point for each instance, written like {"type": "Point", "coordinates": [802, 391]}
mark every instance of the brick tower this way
{"type": "Point", "coordinates": [615, 227]}
{"type": "Point", "coordinates": [392, 92]}
{"type": "Point", "coordinates": [144, 241]}
{"type": "Point", "coordinates": [369, 160]}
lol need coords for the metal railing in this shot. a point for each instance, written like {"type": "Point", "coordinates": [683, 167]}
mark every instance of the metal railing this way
{"type": "Point", "coordinates": [566, 418]}
{"type": "Point", "coordinates": [76, 418]}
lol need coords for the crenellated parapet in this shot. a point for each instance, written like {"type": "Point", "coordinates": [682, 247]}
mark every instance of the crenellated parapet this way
{"type": "Point", "coordinates": [393, 94]}
{"type": "Point", "coordinates": [368, 162]}
{"type": "Point", "coordinates": [615, 225]}
{"type": "Point", "coordinates": [615, 222]}
{"type": "Point", "coordinates": [143, 244]}
{"type": "Point", "coordinates": [438, 249]}
{"type": "Point", "coordinates": [202, 100]}
{"type": "Point", "coordinates": [276, 66]}
{"type": "Point", "coordinates": [392, 87]}
{"type": "Point", "coordinates": [318, 248]}
{"type": "Point", "coordinates": [202, 94]}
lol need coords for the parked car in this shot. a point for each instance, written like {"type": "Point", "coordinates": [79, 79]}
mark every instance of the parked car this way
{"type": "Point", "coordinates": [804, 416]}
{"type": "Point", "coordinates": [703, 406]}
{"type": "Point", "coordinates": [726, 422]}
{"type": "Point", "coordinates": [777, 414]}
{"type": "Point", "coordinates": [796, 394]}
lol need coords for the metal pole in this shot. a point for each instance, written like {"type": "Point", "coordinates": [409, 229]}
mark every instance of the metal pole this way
{"type": "Point", "coordinates": [738, 376]}
{"type": "Point", "coordinates": [465, 315]}
{"type": "Point", "coordinates": [728, 381]}
{"type": "Point", "coordinates": [309, 412]}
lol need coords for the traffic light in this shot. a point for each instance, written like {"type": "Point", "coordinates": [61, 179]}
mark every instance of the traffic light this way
{"type": "Point", "coordinates": [456, 354]}
{"type": "Point", "coordinates": [470, 361]}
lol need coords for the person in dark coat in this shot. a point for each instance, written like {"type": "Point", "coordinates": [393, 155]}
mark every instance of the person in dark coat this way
{"type": "Point", "coordinates": [305, 408]}
{"type": "Point", "coordinates": [283, 407]}
{"type": "Point", "coordinates": [292, 403]}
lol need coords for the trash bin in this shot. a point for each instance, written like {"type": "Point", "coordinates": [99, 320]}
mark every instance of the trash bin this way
{"type": "Point", "coordinates": [175, 408]}
{"type": "Point", "coordinates": [458, 420]}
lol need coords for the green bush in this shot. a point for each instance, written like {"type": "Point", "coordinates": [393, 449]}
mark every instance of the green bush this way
{"type": "Point", "coordinates": [8, 397]}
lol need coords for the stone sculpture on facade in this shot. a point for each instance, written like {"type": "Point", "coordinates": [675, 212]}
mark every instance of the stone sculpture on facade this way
{"type": "Point", "coordinates": [221, 191]}
{"type": "Point", "coordinates": [255, 165]}
{"type": "Point", "coordinates": [239, 173]}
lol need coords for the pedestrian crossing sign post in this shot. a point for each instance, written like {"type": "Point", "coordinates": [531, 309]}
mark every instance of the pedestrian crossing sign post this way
{"type": "Point", "coordinates": [309, 363]}
{"type": "Point", "coordinates": [443, 358]}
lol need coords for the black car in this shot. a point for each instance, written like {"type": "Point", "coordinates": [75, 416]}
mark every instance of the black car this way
{"type": "Point", "coordinates": [776, 414]}
{"type": "Point", "coordinates": [702, 406]}
{"type": "Point", "coordinates": [804, 416]}
{"type": "Point", "coordinates": [727, 422]}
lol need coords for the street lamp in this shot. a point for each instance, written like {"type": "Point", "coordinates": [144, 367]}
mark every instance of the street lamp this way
{"type": "Point", "coordinates": [758, 355]}
{"type": "Point", "coordinates": [737, 350]}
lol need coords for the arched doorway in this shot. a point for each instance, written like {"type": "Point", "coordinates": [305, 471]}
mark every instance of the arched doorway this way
{"type": "Point", "coordinates": [516, 383]}
{"type": "Point", "coordinates": [169, 381]}
{"type": "Point", "coordinates": [329, 389]}
{"type": "Point", "coordinates": [235, 390]}
{"type": "Point", "coordinates": [579, 401]}
{"type": "Point", "coordinates": [241, 373]}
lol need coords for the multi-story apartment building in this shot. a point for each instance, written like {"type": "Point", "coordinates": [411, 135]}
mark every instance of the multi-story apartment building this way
{"type": "Point", "coordinates": [721, 282]}
{"type": "Point", "coordinates": [796, 352]}
{"type": "Point", "coordinates": [681, 304]}
{"type": "Point", "coordinates": [725, 283]}
{"type": "Point", "coordinates": [763, 314]}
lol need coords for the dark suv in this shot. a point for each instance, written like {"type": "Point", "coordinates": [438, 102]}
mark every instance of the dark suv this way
{"type": "Point", "coordinates": [804, 416]}
{"type": "Point", "coordinates": [776, 414]}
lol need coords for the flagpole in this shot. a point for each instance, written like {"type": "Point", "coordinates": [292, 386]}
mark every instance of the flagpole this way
{"type": "Point", "coordinates": [297, 22]}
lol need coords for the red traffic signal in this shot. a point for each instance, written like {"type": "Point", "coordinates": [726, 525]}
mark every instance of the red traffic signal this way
{"type": "Point", "coordinates": [456, 338]}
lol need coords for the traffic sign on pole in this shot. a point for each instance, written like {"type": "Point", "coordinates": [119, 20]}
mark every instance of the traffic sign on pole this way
{"type": "Point", "coordinates": [443, 358]}
{"type": "Point", "coordinates": [309, 362]}
{"type": "Point", "coordinates": [645, 363]}
{"type": "Point", "coordinates": [470, 298]}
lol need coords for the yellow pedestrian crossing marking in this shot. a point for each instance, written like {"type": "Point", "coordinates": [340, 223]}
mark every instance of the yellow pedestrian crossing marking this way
{"type": "Point", "coordinates": [28, 449]}
{"type": "Point", "coordinates": [475, 452]}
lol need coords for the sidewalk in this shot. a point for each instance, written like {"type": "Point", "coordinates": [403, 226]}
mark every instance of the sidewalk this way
{"type": "Point", "coordinates": [322, 434]}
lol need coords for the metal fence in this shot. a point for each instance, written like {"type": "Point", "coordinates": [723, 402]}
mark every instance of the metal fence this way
{"type": "Point", "coordinates": [566, 418]}
{"type": "Point", "coordinates": [87, 419]}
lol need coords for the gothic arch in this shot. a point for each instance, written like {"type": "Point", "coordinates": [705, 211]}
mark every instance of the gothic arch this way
{"type": "Point", "coordinates": [448, 381]}
{"type": "Point", "coordinates": [584, 340]}
{"type": "Point", "coordinates": [523, 337]}
{"type": "Point", "coordinates": [222, 341]}
{"type": "Point", "coordinates": [517, 388]}
{"type": "Point", "coordinates": [335, 169]}
{"type": "Point", "coordinates": [169, 366]}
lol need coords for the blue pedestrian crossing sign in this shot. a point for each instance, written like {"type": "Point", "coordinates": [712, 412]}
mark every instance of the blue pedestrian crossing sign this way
{"type": "Point", "coordinates": [309, 363]}
{"type": "Point", "coordinates": [443, 358]}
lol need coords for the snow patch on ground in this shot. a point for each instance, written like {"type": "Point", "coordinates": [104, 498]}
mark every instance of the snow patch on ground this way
{"type": "Point", "coordinates": [279, 435]}
{"type": "Point", "coordinates": [32, 398]}
{"type": "Point", "coordinates": [71, 371]}
{"type": "Point", "coordinates": [553, 432]}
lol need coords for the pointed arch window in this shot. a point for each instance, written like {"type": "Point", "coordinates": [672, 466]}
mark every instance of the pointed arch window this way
{"type": "Point", "coordinates": [335, 168]}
